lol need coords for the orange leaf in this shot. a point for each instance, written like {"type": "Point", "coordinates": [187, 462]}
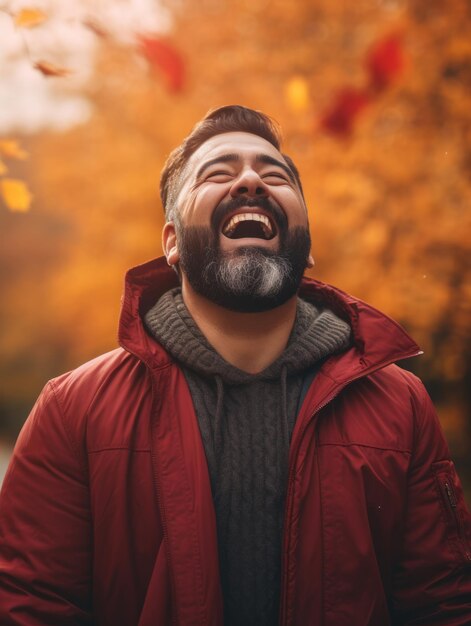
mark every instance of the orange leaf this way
{"type": "Point", "coordinates": [3, 168]}
{"type": "Point", "coordinates": [95, 27]}
{"type": "Point", "coordinates": [16, 194]}
{"type": "Point", "coordinates": [29, 18]}
{"type": "Point", "coordinates": [10, 149]}
{"type": "Point", "coordinates": [163, 56]}
{"type": "Point", "coordinates": [48, 69]}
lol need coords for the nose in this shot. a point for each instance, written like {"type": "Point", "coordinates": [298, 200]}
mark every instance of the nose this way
{"type": "Point", "coordinates": [249, 183]}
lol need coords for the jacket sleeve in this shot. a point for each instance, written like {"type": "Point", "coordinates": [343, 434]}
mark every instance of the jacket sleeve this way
{"type": "Point", "coordinates": [433, 577]}
{"type": "Point", "coordinates": [45, 536]}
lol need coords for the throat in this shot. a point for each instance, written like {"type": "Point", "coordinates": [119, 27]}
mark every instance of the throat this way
{"type": "Point", "coordinates": [248, 341]}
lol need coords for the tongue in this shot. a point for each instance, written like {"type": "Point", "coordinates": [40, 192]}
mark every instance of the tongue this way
{"type": "Point", "coordinates": [248, 228]}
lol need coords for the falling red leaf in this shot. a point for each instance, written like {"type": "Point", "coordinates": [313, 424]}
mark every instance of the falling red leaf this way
{"type": "Point", "coordinates": [48, 69]}
{"type": "Point", "coordinates": [385, 61]}
{"type": "Point", "coordinates": [340, 117]}
{"type": "Point", "coordinates": [163, 56]}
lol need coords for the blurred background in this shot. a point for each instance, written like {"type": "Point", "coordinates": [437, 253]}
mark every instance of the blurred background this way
{"type": "Point", "coordinates": [374, 100]}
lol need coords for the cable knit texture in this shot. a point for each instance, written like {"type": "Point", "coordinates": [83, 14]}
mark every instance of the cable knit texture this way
{"type": "Point", "coordinates": [246, 421]}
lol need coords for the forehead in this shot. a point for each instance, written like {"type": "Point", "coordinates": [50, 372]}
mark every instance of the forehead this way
{"type": "Point", "coordinates": [243, 144]}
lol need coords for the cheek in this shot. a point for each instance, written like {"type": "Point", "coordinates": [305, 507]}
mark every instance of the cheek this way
{"type": "Point", "coordinates": [295, 209]}
{"type": "Point", "coordinates": [202, 203]}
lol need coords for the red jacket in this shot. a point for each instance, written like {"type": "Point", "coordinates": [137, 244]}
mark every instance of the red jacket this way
{"type": "Point", "coordinates": [107, 517]}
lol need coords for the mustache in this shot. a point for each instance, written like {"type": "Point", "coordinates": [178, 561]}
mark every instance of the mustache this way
{"type": "Point", "coordinates": [270, 207]}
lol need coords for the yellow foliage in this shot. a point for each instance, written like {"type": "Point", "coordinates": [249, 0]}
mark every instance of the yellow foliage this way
{"type": "Point", "coordinates": [389, 207]}
{"type": "Point", "coordinates": [29, 18]}
{"type": "Point", "coordinates": [297, 94]}
{"type": "Point", "coordinates": [375, 236]}
{"type": "Point", "coordinates": [11, 149]}
{"type": "Point", "coordinates": [16, 194]}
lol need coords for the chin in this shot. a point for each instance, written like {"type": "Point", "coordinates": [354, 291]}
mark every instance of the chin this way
{"type": "Point", "coordinates": [250, 278]}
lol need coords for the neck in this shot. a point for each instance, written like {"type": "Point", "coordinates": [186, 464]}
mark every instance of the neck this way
{"type": "Point", "coordinates": [249, 341]}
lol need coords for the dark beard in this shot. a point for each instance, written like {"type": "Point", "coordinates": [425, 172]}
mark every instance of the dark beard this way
{"type": "Point", "coordinates": [240, 281]}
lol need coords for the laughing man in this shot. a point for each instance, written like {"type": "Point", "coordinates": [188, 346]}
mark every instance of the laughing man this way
{"type": "Point", "coordinates": [250, 455]}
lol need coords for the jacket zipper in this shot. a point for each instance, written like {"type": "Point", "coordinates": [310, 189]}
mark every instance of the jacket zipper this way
{"type": "Point", "coordinates": [449, 490]}
{"type": "Point", "coordinates": [289, 493]}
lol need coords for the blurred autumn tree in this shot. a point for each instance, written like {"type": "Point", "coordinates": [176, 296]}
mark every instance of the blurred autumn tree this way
{"type": "Point", "coordinates": [374, 101]}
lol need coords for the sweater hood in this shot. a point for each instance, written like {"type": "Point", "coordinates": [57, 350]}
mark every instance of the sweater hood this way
{"type": "Point", "coordinates": [315, 335]}
{"type": "Point", "coordinates": [377, 340]}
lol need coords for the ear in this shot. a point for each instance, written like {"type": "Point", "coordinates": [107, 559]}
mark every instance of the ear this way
{"type": "Point", "coordinates": [310, 261]}
{"type": "Point", "coordinates": [170, 244]}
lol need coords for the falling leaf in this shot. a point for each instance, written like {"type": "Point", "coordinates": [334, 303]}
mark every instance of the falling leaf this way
{"type": "Point", "coordinates": [11, 149]}
{"type": "Point", "coordinates": [95, 27]}
{"type": "Point", "coordinates": [16, 194]}
{"type": "Point", "coordinates": [163, 56]}
{"type": "Point", "coordinates": [29, 18]}
{"type": "Point", "coordinates": [340, 117]}
{"type": "Point", "coordinates": [385, 61]}
{"type": "Point", "coordinates": [297, 94]}
{"type": "Point", "coordinates": [48, 69]}
{"type": "Point", "coordinates": [3, 168]}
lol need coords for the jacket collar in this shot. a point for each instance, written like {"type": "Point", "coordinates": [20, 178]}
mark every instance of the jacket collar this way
{"type": "Point", "coordinates": [377, 339]}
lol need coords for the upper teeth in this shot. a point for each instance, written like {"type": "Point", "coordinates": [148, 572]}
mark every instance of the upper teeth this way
{"type": "Point", "coordinates": [241, 217]}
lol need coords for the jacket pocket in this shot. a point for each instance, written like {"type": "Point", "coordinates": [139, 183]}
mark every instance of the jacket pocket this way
{"type": "Point", "coordinates": [454, 511]}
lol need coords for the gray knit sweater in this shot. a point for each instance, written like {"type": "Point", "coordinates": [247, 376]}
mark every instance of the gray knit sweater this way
{"type": "Point", "coordinates": [246, 421]}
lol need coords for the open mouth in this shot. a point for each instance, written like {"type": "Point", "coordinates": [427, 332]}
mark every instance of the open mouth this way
{"type": "Point", "coordinates": [252, 225]}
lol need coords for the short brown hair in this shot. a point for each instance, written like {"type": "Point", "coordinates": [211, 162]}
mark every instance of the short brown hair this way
{"type": "Point", "coordinates": [226, 119]}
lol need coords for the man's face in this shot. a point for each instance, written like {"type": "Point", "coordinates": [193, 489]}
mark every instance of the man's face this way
{"type": "Point", "coordinates": [242, 234]}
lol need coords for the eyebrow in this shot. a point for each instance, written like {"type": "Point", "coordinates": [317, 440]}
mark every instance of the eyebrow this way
{"type": "Point", "coordinates": [224, 158]}
{"type": "Point", "coordinates": [233, 157]}
{"type": "Point", "coordinates": [264, 158]}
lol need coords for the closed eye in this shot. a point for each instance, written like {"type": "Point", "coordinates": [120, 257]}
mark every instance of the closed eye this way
{"type": "Point", "coordinates": [219, 173]}
{"type": "Point", "coordinates": [277, 175]}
